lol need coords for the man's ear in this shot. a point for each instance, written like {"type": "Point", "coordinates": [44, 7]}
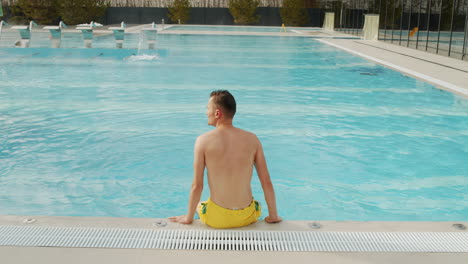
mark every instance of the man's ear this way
{"type": "Point", "coordinates": [218, 113]}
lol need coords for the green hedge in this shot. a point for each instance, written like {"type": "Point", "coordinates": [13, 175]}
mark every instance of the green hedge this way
{"type": "Point", "coordinates": [52, 11]}
{"type": "Point", "coordinates": [180, 9]}
{"type": "Point", "coordinates": [294, 13]}
{"type": "Point", "coordinates": [81, 11]}
{"type": "Point", "coordinates": [244, 11]}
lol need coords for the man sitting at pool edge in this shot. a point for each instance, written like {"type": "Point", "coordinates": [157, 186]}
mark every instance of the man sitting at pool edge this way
{"type": "Point", "coordinates": [229, 154]}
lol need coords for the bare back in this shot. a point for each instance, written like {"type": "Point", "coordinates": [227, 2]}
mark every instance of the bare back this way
{"type": "Point", "coordinates": [229, 158]}
{"type": "Point", "coordinates": [229, 155]}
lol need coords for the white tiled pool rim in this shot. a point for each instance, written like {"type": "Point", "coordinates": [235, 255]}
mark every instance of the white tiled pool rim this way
{"type": "Point", "coordinates": [250, 240]}
{"type": "Point", "coordinates": [300, 236]}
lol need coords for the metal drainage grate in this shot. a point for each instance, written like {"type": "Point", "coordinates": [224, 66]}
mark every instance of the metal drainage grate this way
{"type": "Point", "coordinates": [234, 240]}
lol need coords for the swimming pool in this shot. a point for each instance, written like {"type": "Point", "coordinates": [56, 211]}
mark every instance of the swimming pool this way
{"type": "Point", "coordinates": [103, 132]}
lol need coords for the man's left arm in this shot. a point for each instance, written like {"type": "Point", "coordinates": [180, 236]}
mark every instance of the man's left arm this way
{"type": "Point", "coordinates": [197, 184]}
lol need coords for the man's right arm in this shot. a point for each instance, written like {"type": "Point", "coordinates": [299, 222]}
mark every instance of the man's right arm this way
{"type": "Point", "coordinates": [267, 185]}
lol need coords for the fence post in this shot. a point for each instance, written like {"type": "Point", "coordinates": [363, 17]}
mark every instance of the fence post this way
{"type": "Point", "coordinates": [419, 20]}
{"type": "Point", "coordinates": [466, 33]}
{"type": "Point", "coordinates": [438, 30]}
{"type": "Point", "coordinates": [409, 22]}
{"type": "Point", "coordinates": [385, 22]}
{"type": "Point", "coordinates": [428, 22]}
{"type": "Point", "coordinates": [393, 19]}
{"type": "Point", "coordinates": [401, 21]}
{"type": "Point", "coordinates": [451, 27]}
{"type": "Point", "coordinates": [354, 18]}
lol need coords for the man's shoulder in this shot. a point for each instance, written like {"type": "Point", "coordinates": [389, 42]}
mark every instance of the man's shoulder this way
{"type": "Point", "coordinates": [248, 134]}
{"type": "Point", "coordinates": [205, 136]}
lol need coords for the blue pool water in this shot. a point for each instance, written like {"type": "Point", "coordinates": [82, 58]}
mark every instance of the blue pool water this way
{"type": "Point", "coordinates": [103, 132]}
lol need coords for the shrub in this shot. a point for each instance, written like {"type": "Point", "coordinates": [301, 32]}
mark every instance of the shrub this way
{"type": "Point", "coordinates": [180, 9]}
{"type": "Point", "coordinates": [81, 11]}
{"type": "Point", "coordinates": [294, 13]}
{"type": "Point", "coordinates": [244, 11]}
{"type": "Point", "coordinates": [41, 11]}
{"type": "Point", "coordinates": [15, 16]}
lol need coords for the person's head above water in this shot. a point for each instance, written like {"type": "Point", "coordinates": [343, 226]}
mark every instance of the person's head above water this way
{"type": "Point", "coordinates": [221, 107]}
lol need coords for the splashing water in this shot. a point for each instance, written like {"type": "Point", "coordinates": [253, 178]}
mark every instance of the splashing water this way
{"type": "Point", "coordinates": [144, 57]}
{"type": "Point", "coordinates": [141, 41]}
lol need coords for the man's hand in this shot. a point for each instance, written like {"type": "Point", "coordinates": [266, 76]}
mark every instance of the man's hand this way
{"type": "Point", "coordinates": [273, 219]}
{"type": "Point", "coordinates": [183, 219]}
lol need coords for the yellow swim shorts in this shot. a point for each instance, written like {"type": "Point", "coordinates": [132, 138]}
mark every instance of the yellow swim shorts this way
{"type": "Point", "coordinates": [220, 217]}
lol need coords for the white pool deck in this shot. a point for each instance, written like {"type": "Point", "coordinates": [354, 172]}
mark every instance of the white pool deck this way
{"type": "Point", "coordinates": [445, 73]}
{"type": "Point", "coordinates": [11, 254]}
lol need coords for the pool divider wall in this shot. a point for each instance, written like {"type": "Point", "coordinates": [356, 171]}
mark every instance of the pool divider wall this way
{"type": "Point", "coordinates": [371, 27]}
{"type": "Point", "coordinates": [329, 21]}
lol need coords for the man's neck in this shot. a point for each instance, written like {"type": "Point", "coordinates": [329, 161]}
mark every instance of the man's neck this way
{"type": "Point", "coordinates": [227, 123]}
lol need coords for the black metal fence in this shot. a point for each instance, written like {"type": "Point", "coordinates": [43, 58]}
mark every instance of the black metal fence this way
{"type": "Point", "coordinates": [438, 26]}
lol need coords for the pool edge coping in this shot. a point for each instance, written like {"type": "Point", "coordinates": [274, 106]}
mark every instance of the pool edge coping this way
{"type": "Point", "coordinates": [413, 73]}
{"type": "Point", "coordinates": [288, 225]}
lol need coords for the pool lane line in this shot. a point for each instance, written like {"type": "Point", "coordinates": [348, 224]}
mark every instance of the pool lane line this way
{"type": "Point", "coordinates": [448, 86]}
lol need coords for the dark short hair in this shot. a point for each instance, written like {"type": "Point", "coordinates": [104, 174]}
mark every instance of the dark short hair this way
{"type": "Point", "coordinates": [224, 100]}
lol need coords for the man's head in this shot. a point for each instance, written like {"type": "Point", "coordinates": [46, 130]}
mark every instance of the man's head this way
{"type": "Point", "coordinates": [221, 106]}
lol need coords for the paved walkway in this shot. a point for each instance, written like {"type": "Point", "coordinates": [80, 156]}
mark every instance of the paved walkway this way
{"type": "Point", "coordinates": [49, 255]}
